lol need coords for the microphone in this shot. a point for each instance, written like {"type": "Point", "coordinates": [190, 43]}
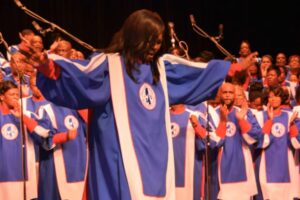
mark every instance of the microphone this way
{"type": "Point", "coordinates": [19, 4]}
{"type": "Point", "coordinates": [221, 27]}
{"type": "Point", "coordinates": [220, 36]}
{"type": "Point", "coordinates": [172, 33]}
{"type": "Point", "coordinates": [192, 19]}
{"type": "Point", "coordinates": [38, 28]}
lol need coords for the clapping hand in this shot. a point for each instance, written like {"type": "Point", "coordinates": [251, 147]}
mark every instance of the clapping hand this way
{"type": "Point", "coordinates": [242, 113]}
{"type": "Point", "coordinates": [223, 113]}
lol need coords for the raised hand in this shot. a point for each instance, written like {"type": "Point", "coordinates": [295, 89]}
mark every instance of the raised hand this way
{"type": "Point", "coordinates": [293, 117]}
{"type": "Point", "coordinates": [249, 61]}
{"type": "Point", "coordinates": [242, 113]}
{"type": "Point", "coordinates": [224, 113]}
{"type": "Point", "coordinates": [54, 45]}
{"type": "Point", "coordinates": [35, 58]}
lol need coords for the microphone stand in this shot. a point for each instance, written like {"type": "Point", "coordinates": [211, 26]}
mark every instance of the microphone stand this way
{"type": "Point", "coordinates": [207, 157]}
{"type": "Point", "coordinates": [182, 44]}
{"type": "Point", "coordinates": [2, 41]}
{"type": "Point", "coordinates": [53, 26]}
{"type": "Point", "coordinates": [202, 33]}
{"type": "Point", "coordinates": [23, 137]}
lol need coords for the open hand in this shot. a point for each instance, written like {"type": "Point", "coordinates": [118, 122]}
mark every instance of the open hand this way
{"type": "Point", "coordinates": [223, 113]}
{"type": "Point", "coordinates": [249, 61]}
{"type": "Point", "coordinates": [35, 58]}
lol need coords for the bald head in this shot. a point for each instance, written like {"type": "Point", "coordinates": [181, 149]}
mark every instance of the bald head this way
{"type": "Point", "coordinates": [64, 49]}
{"type": "Point", "coordinates": [227, 94]}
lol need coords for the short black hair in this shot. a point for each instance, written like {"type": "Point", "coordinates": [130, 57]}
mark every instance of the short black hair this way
{"type": "Point", "coordinates": [6, 85]}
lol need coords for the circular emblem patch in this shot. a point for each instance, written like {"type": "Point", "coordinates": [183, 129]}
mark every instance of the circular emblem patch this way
{"type": "Point", "coordinates": [174, 129]}
{"type": "Point", "coordinates": [9, 131]}
{"type": "Point", "coordinates": [230, 129]}
{"type": "Point", "coordinates": [71, 122]}
{"type": "Point", "coordinates": [278, 129]}
{"type": "Point", "coordinates": [147, 96]}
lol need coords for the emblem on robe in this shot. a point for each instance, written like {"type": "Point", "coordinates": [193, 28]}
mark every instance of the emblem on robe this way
{"type": "Point", "coordinates": [230, 129]}
{"type": "Point", "coordinates": [71, 122]}
{"type": "Point", "coordinates": [278, 129]}
{"type": "Point", "coordinates": [9, 131]}
{"type": "Point", "coordinates": [147, 96]}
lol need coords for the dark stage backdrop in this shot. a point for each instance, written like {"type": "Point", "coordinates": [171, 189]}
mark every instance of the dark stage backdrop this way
{"type": "Point", "coordinates": [269, 27]}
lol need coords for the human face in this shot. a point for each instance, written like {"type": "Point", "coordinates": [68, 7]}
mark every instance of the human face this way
{"type": "Point", "coordinates": [64, 49]}
{"type": "Point", "coordinates": [282, 76]}
{"type": "Point", "coordinates": [256, 104]}
{"type": "Point", "coordinates": [244, 49]}
{"type": "Point", "coordinates": [10, 98]}
{"type": "Point", "coordinates": [37, 43]}
{"type": "Point", "coordinates": [294, 62]}
{"type": "Point", "coordinates": [227, 94]}
{"type": "Point", "coordinates": [293, 78]}
{"type": "Point", "coordinates": [280, 59]}
{"type": "Point", "coordinates": [154, 47]}
{"type": "Point", "coordinates": [239, 97]}
{"type": "Point", "coordinates": [265, 63]}
{"type": "Point", "coordinates": [272, 78]}
{"type": "Point", "coordinates": [253, 70]}
{"type": "Point", "coordinates": [274, 101]}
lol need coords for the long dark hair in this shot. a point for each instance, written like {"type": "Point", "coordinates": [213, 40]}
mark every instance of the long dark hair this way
{"type": "Point", "coordinates": [138, 34]}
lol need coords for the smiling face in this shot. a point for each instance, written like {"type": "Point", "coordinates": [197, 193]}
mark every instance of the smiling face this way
{"type": "Point", "coordinates": [37, 43]}
{"type": "Point", "coordinates": [142, 36]}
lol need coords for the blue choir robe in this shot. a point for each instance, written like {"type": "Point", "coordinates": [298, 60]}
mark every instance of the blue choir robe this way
{"type": "Point", "coordinates": [275, 165]}
{"type": "Point", "coordinates": [131, 154]}
{"type": "Point", "coordinates": [11, 165]}
{"type": "Point", "coordinates": [189, 151]}
{"type": "Point", "coordinates": [63, 167]}
{"type": "Point", "coordinates": [235, 165]}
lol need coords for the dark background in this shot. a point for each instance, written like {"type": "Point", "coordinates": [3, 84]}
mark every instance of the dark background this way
{"type": "Point", "coordinates": [270, 27]}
